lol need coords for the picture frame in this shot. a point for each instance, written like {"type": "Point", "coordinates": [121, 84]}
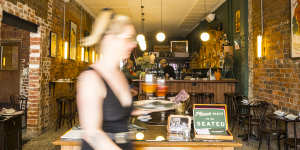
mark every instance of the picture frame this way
{"type": "Point", "coordinates": [179, 46]}
{"type": "Point", "coordinates": [53, 44]}
{"type": "Point", "coordinates": [237, 21]}
{"type": "Point", "coordinates": [179, 123]}
{"type": "Point", "coordinates": [295, 29]}
{"type": "Point", "coordinates": [86, 55]}
{"type": "Point", "coordinates": [73, 41]}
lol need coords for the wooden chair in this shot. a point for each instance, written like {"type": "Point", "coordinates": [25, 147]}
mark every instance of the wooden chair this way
{"type": "Point", "coordinates": [293, 135]}
{"type": "Point", "coordinates": [265, 128]}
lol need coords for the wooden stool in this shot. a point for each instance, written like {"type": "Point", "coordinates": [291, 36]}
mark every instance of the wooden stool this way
{"type": "Point", "coordinates": [207, 97]}
{"type": "Point", "coordinates": [66, 111]}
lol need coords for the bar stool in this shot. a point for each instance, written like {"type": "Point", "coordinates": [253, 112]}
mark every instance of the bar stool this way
{"type": "Point", "coordinates": [207, 97]}
{"type": "Point", "coordinates": [66, 111]}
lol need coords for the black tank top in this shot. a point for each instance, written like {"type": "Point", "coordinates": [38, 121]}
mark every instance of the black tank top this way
{"type": "Point", "coordinates": [115, 116]}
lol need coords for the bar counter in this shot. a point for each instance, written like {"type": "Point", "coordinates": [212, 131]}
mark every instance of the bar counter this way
{"type": "Point", "coordinates": [149, 142]}
{"type": "Point", "coordinates": [218, 87]}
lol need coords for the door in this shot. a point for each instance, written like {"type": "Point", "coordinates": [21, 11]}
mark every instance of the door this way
{"type": "Point", "coordinates": [9, 70]}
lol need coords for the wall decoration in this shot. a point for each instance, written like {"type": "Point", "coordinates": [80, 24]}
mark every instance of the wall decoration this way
{"type": "Point", "coordinates": [295, 28]}
{"type": "Point", "coordinates": [237, 21]}
{"type": "Point", "coordinates": [53, 44]}
{"type": "Point", "coordinates": [179, 46]}
{"type": "Point", "coordinates": [86, 54]}
{"type": "Point", "coordinates": [73, 41]}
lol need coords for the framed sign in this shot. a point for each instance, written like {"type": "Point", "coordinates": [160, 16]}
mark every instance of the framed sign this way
{"type": "Point", "coordinates": [295, 29]}
{"type": "Point", "coordinates": [179, 123]}
{"type": "Point", "coordinates": [179, 46]}
{"type": "Point", "coordinates": [53, 44]}
{"type": "Point", "coordinates": [210, 121]}
{"type": "Point", "coordinates": [73, 40]}
{"type": "Point", "coordinates": [237, 21]}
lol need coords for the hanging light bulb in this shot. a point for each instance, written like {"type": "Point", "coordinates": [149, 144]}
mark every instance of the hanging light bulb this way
{"type": "Point", "coordinates": [204, 36]}
{"type": "Point", "coordinates": [143, 45]}
{"type": "Point", "coordinates": [160, 36]}
{"type": "Point", "coordinates": [140, 37]}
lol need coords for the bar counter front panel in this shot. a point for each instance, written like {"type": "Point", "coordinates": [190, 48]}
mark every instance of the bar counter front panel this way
{"type": "Point", "coordinates": [218, 87]}
{"type": "Point", "coordinates": [149, 142]}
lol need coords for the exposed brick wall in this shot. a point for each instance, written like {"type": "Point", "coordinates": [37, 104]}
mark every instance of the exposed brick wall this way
{"type": "Point", "coordinates": [274, 78]}
{"type": "Point", "coordinates": [42, 110]}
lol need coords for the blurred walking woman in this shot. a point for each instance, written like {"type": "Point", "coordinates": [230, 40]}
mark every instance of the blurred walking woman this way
{"type": "Point", "coordinates": [103, 96]}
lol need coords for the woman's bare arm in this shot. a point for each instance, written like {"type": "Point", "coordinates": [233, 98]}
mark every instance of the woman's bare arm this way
{"type": "Point", "coordinates": [90, 95]}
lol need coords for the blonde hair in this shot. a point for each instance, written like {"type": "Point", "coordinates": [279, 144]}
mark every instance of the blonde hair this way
{"type": "Point", "coordinates": [106, 23]}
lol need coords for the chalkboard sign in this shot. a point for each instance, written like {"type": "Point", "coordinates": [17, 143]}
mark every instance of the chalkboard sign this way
{"type": "Point", "coordinates": [211, 120]}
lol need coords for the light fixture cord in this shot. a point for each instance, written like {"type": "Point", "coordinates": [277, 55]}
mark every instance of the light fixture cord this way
{"type": "Point", "coordinates": [161, 16]}
{"type": "Point", "coordinates": [262, 16]}
{"type": "Point", "coordinates": [142, 16]}
{"type": "Point", "coordinates": [80, 23]}
{"type": "Point", "coordinates": [64, 21]}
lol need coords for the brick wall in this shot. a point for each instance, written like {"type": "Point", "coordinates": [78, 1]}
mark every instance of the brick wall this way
{"type": "Point", "coordinates": [274, 78]}
{"type": "Point", "coordinates": [42, 109]}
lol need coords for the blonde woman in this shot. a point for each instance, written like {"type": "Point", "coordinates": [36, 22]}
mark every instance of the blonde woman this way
{"type": "Point", "coordinates": [103, 95]}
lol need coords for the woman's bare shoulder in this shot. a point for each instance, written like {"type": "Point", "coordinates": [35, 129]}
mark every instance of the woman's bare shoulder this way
{"type": "Point", "coordinates": [90, 80]}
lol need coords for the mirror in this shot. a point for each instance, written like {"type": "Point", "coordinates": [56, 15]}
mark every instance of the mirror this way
{"type": "Point", "coordinates": [9, 57]}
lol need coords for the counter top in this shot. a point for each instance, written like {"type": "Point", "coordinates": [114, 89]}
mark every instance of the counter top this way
{"type": "Point", "coordinates": [152, 131]}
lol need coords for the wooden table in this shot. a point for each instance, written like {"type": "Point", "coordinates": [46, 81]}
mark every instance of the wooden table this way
{"type": "Point", "coordinates": [218, 87]}
{"type": "Point", "coordinates": [158, 130]}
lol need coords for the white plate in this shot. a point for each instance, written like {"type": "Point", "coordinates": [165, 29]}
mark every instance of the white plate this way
{"type": "Point", "coordinates": [11, 114]}
{"type": "Point", "coordinates": [155, 105]}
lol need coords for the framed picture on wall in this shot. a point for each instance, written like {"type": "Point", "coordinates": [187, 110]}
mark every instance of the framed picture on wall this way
{"type": "Point", "coordinates": [237, 21]}
{"type": "Point", "coordinates": [295, 29]}
{"type": "Point", "coordinates": [73, 40]}
{"type": "Point", "coordinates": [86, 54]}
{"type": "Point", "coordinates": [53, 44]}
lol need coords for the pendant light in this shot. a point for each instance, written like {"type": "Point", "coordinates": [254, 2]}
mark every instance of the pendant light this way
{"type": "Point", "coordinates": [141, 37]}
{"type": "Point", "coordinates": [204, 35]}
{"type": "Point", "coordinates": [160, 36]}
{"type": "Point", "coordinates": [260, 36]}
{"type": "Point", "coordinates": [64, 28]}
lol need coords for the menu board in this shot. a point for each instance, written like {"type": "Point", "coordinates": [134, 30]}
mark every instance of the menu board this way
{"type": "Point", "coordinates": [210, 119]}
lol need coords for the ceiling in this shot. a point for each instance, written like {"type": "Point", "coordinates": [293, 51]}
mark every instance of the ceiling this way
{"type": "Point", "coordinates": [179, 17]}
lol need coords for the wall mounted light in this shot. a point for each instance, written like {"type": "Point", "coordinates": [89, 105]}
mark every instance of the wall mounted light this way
{"type": "Point", "coordinates": [93, 56]}
{"type": "Point", "coordinates": [204, 36]}
{"type": "Point", "coordinates": [259, 46]}
{"type": "Point", "coordinates": [66, 50]}
{"type": "Point", "coordinates": [82, 54]}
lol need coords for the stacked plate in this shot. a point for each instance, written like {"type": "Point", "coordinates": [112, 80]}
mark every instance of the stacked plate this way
{"type": "Point", "coordinates": [279, 113]}
{"type": "Point", "coordinates": [291, 116]}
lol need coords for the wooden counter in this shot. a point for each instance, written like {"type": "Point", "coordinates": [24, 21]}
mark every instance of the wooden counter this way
{"type": "Point", "coordinates": [149, 142]}
{"type": "Point", "coordinates": [218, 87]}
